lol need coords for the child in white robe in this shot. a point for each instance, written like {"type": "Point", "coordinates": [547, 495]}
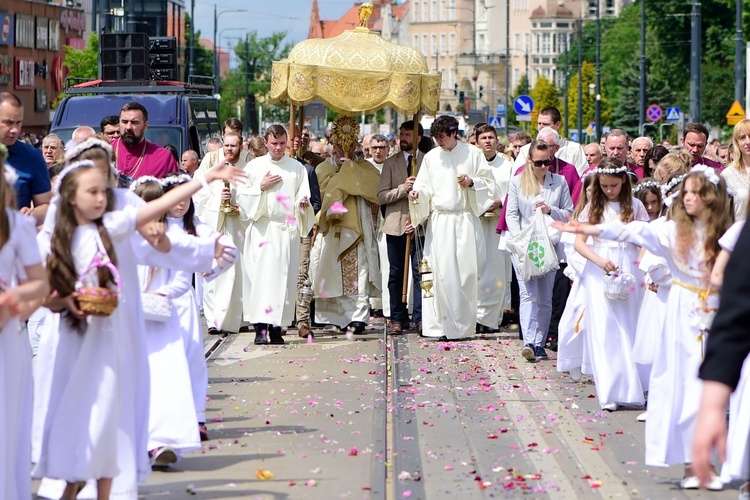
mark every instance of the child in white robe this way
{"type": "Point", "coordinates": [610, 323]}
{"type": "Point", "coordinates": [173, 429]}
{"type": "Point", "coordinates": [22, 280]}
{"type": "Point", "coordinates": [689, 244]}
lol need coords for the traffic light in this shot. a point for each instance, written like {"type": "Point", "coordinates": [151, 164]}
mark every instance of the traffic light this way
{"type": "Point", "coordinates": [124, 56]}
{"type": "Point", "coordinates": [455, 89]}
{"type": "Point", "coordinates": [461, 96]}
{"type": "Point", "coordinates": [162, 53]}
{"type": "Point", "coordinates": [481, 89]}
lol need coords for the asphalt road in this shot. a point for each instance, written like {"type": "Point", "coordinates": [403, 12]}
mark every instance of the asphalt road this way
{"type": "Point", "coordinates": [406, 417]}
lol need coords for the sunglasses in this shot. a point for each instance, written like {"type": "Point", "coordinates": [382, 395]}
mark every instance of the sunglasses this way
{"type": "Point", "coordinates": [539, 163]}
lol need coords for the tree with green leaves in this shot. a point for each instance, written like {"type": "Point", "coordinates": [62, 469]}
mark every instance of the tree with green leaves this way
{"type": "Point", "coordinates": [82, 65]}
{"type": "Point", "coordinates": [251, 81]}
{"type": "Point", "coordinates": [521, 89]}
{"type": "Point", "coordinates": [545, 94]}
{"type": "Point", "coordinates": [204, 58]}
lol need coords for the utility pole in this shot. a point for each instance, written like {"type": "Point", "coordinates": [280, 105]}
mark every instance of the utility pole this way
{"type": "Point", "coordinates": [507, 63]}
{"type": "Point", "coordinates": [216, 53]}
{"type": "Point", "coordinates": [642, 100]}
{"type": "Point", "coordinates": [598, 113]}
{"type": "Point", "coordinates": [566, 132]}
{"type": "Point", "coordinates": [738, 69]}
{"type": "Point", "coordinates": [191, 68]}
{"type": "Point", "coordinates": [579, 121]}
{"type": "Point", "coordinates": [249, 120]}
{"type": "Point", "coordinates": [695, 62]}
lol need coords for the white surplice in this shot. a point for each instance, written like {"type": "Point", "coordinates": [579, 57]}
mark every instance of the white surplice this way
{"type": "Point", "coordinates": [271, 252]}
{"type": "Point", "coordinates": [454, 244]}
{"type": "Point", "coordinates": [494, 279]}
{"type": "Point", "coordinates": [222, 297]}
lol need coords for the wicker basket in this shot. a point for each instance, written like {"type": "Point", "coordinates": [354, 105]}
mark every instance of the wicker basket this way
{"type": "Point", "coordinates": [96, 300]}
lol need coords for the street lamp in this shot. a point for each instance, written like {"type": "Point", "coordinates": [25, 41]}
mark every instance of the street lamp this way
{"type": "Point", "coordinates": [216, 52]}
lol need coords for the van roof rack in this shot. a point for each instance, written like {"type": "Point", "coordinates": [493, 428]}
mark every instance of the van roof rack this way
{"type": "Point", "coordinates": [78, 86]}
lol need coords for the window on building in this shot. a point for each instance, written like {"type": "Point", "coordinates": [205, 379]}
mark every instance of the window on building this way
{"type": "Point", "coordinates": [443, 44]}
{"type": "Point", "coordinates": [425, 46]}
{"type": "Point", "coordinates": [481, 43]}
{"type": "Point", "coordinates": [442, 9]}
{"type": "Point", "coordinates": [434, 16]}
{"type": "Point", "coordinates": [610, 8]}
{"type": "Point", "coordinates": [451, 78]}
{"type": "Point", "coordinates": [415, 44]}
{"type": "Point", "coordinates": [433, 45]}
{"type": "Point", "coordinates": [546, 43]}
{"type": "Point", "coordinates": [425, 11]}
{"type": "Point", "coordinates": [415, 17]}
{"type": "Point", "coordinates": [452, 45]}
{"type": "Point", "coordinates": [452, 10]}
{"type": "Point", "coordinates": [526, 43]}
{"type": "Point", "coordinates": [517, 41]}
{"type": "Point", "coordinates": [516, 77]}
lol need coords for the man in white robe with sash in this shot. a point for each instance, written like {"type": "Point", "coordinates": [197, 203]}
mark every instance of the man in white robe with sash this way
{"type": "Point", "coordinates": [344, 263]}
{"type": "Point", "coordinates": [494, 280]}
{"type": "Point", "coordinates": [222, 297]}
{"type": "Point", "coordinates": [275, 204]}
{"type": "Point", "coordinates": [453, 188]}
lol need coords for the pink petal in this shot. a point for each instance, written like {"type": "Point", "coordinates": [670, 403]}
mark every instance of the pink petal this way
{"type": "Point", "coordinates": [338, 208]}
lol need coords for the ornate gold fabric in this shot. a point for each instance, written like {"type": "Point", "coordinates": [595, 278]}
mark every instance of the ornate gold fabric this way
{"type": "Point", "coordinates": [356, 71]}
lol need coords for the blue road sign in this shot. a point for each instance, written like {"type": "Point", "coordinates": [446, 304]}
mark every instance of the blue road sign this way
{"type": "Point", "coordinates": [574, 136]}
{"type": "Point", "coordinates": [673, 114]}
{"type": "Point", "coordinates": [654, 113]}
{"type": "Point", "coordinates": [500, 109]}
{"type": "Point", "coordinates": [523, 105]}
{"type": "Point", "coordinates": [495, 122]}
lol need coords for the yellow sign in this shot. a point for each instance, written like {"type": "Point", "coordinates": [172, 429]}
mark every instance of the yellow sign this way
{"type": "Point", "coordinates": [736, 114]}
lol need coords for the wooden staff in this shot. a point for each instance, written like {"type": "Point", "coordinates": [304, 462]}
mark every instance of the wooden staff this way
{"type": "Point", "coordinates": [413, 173]}
{"type": "Point", "coordinates": [291, 126]}
{"type": "Point", "coordinates": [300, 124]}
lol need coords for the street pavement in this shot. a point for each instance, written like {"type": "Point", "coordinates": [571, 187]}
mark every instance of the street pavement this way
{"type": "Point", "coordinates": [407, 417]}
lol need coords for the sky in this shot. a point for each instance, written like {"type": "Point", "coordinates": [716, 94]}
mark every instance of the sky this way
{"type": "Point", "coordinates": [265, 17]}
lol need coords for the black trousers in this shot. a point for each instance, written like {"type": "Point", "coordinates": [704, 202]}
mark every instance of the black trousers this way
{"type": "Point", "coordinates": [560, 292]}
{"type": "Point", "coordinates": [396, 257]}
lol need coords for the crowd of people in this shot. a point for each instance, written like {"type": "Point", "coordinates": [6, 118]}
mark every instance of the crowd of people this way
{"type": "Point", "coordinates": [589, 249]}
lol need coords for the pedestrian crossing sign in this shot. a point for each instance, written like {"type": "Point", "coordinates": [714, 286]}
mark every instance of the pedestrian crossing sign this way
{"type": "Point", "coordinates": [673, 114]}
{"type": "Point", "coordinates": [495, 122]}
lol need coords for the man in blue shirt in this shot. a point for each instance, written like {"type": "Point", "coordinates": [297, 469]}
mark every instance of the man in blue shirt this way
{"type": "Point", "coordinates": [33, 183]}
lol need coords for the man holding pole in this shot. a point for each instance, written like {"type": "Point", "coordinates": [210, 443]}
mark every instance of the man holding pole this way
{"type": "Point", "coordinates": [396, 181]}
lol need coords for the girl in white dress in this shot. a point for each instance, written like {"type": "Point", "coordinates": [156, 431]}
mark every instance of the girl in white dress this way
{"type": "Point", "coordinates": [737, 173]}
{"type": "Point", "coordinates": [689, 243]}
{"type": "Point", "coordinates": [181, 219]}
{"type": "Point", "coordinates": [80, 436]}
{"type": "Point", "coordinates": [18, 251]}
{"type": "Point", "coordinates": [173, 429]}
{"type": "Point", "coordinates": [610, 324]}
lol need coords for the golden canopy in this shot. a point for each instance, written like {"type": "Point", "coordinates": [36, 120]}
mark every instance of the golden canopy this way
{"type": "Point", "coordinates": [356, 71]}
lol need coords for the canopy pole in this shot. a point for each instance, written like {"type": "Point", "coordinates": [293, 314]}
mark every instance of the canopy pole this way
{"type": "Point", "coordinates": [291, 128]}
{"type": "Point", "coordinates": [300, 123]}
{"type": "Point", "coordinates": [413, 173]}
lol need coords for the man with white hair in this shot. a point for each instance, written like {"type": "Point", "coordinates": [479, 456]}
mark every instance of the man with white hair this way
{"type": "Point", "coordinates": [593, 152]}
{"type": "Point", "coordinates": [568, 151]}
{"type": "Point", "coordinates": [80, 134]}
{"type": "Point", "coordinates": [52, 149]}
{"type": "Point", "coordinates": [639, 148]}
{"type": "Point", "coordinates": [617, 147]}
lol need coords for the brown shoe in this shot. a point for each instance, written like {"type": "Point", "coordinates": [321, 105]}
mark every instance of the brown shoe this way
{"type": "Point", "coordinates": [396, 328]}
{"type": "Point", "coordinates": [419, 329]}
{"type": "Point", "coordinates": [304, 331]}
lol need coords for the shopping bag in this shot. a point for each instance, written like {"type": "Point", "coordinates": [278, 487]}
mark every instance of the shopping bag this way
{"type": "Point", "coordinates": [533, 249]}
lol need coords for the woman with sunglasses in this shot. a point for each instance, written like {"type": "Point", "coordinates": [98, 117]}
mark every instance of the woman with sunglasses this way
{"type": "Point", "coordinates": [536, 188]}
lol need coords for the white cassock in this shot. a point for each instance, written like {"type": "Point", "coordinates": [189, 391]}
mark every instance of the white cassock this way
{"type": "Point", "coordinates": [272, 239]}
{"type": "Point", "coordinates": [493, 292]}
{"type": "Point", "coordinates": [454, 244]}
{"type": "Point", "coordinates": [569, 151]}
{"type": "Point", "coordinates": [222, 297]}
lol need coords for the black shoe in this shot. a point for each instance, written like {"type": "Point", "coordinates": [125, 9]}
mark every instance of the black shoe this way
{"type": "Point", "coordinates": [244, 329]}
{"type": "Point", "coordinates": [552, 346]}
{"type": "Point", "coordinates": [214, 331]}
{"type": "Point", "coordinates": [274, 337]}
{"type": "Point", "coordinates": [357, 327]}
{"type": "Point", "coordinates": [443, 339]}
{"type": "Point", "coordinates": [376, 313]}
{"type": "Point", "coordinates": [260, 339]}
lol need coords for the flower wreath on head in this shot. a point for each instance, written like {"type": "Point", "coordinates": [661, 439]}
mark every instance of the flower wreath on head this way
{"type": "Point", "coordinates": [611, 171]}
{"type": "Point", "coordinates": [91, 143]}
{"type": "Point", "coordinates": [709, 172]}
{"type": "Point", "coordinates": [72, 166]}
{"type": "Point", "coordinates": [345, 132]}
{"type": "Point", "coordinates": [142, 180]}
{"type": "Point", "coordinates": [641, 186]}
{"type": "Point", "coordinates": [174, 180]}
{"type": "Point", "coordinates": [669, 186]}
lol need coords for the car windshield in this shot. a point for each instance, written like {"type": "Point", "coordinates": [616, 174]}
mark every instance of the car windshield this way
{"type": "Point", "coordinates": [159, 135]}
